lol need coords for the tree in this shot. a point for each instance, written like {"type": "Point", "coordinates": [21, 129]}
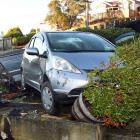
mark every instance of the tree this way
{"type": "Point", "coordinates": [56, 17]}
{"type": "Point", "coordinates": [33, 30]}
{"type": "Point", "coordinates": [14, 32]}
{"type": "Point", "coordinates": [72, 9]}
{"type": "Point", "coordinates": [63, 13]}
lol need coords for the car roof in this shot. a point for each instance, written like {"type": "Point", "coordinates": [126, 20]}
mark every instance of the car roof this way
{"type": "Point", "coordinates": [65, 32]}
{"type": "Point", "coordinates": [47, 32]}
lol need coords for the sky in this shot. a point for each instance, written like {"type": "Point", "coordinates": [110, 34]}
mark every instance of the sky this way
{"type": "Point", "coordinates": [25, 14]}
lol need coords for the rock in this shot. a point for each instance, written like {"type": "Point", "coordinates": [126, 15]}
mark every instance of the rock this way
{"type": "Point", "coordinates": [5, 129]}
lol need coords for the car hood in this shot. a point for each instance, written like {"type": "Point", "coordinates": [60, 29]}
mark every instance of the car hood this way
{"type": "Point", "coordinates": [87, 60]}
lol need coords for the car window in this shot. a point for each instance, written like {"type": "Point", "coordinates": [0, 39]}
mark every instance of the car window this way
{"type": "Point", "coordinates": [38, 44]}
{"type": "Point", "coordinates": [31, 43]}
{"type": "Point", "coordinates": [71, 42]}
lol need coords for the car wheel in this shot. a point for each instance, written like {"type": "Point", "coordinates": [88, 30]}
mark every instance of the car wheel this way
{"type": "Point", "coordinates": [47, 96]}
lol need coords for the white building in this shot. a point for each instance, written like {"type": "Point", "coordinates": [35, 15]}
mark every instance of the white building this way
{"type": "Point", "coordinates": [129, 8]}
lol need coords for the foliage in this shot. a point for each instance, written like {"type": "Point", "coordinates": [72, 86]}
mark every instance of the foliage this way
{"type": "Point", "coordinates": [109, 34]}
{"type": "Point", "coordinates": [14, 32]}
{"type": "Point", "coordinates": [20, 40]}
{"type": "Point", "coordinates": [30, 35]}
{"type": "Point", "coordinates": [134, 24]}
{"type": "Point", "coordinates": [116, 94]}
{"type": "Point", "coordinates": [33, 30]}
{"type": "Point", "coordinates": [64, 13]}
{"type": "Point", "coordinates": [3, 88]}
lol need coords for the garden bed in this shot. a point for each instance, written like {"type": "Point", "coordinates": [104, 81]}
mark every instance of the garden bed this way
{"type": "Point", "coordinates": [115, 96]}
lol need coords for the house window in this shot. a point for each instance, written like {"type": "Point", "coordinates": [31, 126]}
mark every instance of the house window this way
{"type": "Point", "coordinates": [138, 9]}
{"type": "Point", "coordinates": [95, 27]}
{"type": "Point", "coordinates": [101, 26]}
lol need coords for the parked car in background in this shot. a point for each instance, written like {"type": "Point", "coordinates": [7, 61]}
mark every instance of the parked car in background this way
{"type": "Point", "coordinates": [57, 64]}
{"type": "Point", "coordinates": [124, 37]}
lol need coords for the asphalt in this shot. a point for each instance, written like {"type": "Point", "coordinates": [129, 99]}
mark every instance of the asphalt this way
{"type": "Point", "coordinates": [11, 61]}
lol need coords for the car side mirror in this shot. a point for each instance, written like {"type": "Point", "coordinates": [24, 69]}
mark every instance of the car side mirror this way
{"type": "Point", "coordinates": [44, 55]}
{"type": "Point", "coordinates": [32, 51]}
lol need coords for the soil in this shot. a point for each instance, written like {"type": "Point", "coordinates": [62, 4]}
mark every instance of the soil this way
{"type": "Point", "coordinates": [28, 105]}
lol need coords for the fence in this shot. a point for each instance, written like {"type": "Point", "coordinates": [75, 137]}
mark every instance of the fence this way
{"type": "Point", "coordinates": [5, 44]}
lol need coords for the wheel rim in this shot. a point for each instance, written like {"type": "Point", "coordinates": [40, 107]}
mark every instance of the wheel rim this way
{"type": "Point", "coordinates": [47, 98]}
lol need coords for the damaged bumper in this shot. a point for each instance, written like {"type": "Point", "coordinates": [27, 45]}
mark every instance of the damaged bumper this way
{"type": "Point", "coordinates": [67, 84]}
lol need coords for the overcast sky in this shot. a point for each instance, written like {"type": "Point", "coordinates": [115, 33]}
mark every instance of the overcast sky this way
{"type": "Point", "coordinates": [23, 13]}
{"type": "Point", "coordinates": [26, 14]}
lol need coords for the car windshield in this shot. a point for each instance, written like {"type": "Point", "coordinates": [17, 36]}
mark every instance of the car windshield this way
{"type": "Point", "coordinates": [78, 42]}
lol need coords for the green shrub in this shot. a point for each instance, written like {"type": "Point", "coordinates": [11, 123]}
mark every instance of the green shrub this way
{"type": "Point", "coordinates": [14, 32]}
{"type": "Point", "coordinates": [19, 41]}
{"type": "Point", "coordinates": [134, 24]}
{"type": "Point", "coordinates": [116, 95]}
{"type": "Point", "coordinates": [22, 40]}
{"type": "Point", "coordinates": [109, 34]}
{"type": "Point", "coordinates": [30, 35]}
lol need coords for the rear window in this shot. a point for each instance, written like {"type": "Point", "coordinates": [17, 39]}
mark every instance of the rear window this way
{"type": "Point", "coordinates": [75, 42]}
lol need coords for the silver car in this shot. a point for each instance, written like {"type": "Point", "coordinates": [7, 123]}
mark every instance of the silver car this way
{"type": "Point", "coordinates": [57, 64]}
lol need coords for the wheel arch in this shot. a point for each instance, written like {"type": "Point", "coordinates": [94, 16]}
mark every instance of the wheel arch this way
{"type": "Point", "coordinates": [45, 79]}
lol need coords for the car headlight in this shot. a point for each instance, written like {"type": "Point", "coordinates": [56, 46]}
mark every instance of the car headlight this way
{"type": "Point", "coordinates": [62, 64]}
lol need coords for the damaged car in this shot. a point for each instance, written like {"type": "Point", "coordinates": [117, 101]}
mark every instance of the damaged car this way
{"type": "Point", "coordinates": [57, 64]}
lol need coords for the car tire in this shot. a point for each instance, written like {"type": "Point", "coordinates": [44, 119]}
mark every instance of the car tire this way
{"type": "Point", "coordinates": [47, 96]}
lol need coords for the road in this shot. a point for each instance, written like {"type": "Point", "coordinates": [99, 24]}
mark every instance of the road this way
{"type": "Point", "coordinates": [12, 61]}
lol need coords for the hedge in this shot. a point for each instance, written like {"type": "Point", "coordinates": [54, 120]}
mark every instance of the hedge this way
{"type": "Point", "coordinates": [109, 34]}
{"type": "Point", "coordinates": [19, 41]}
{"type": "Point", "coordinates": [135, 25]}
{"type": "Point", "coordinates": [115, 97]}
{"type": "Point", "coordinates": [22, 40]}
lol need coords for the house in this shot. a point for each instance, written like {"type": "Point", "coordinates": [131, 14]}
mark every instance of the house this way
{"type": "Point", "coordinates": [106, 10]}
{"type": "Point", "coordinates": [134, 8]}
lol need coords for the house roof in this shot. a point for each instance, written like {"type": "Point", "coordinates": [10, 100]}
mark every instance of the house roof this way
{"type": "Point", "coordinates": [112, 3]}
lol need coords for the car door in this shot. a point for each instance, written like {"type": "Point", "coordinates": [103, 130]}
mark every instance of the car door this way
{"type": "Point", "coordinates": [26, 63]}
{"type": "Point", "coordinates": [36, 71]}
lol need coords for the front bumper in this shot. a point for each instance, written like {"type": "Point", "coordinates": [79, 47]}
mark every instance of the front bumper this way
{"type": "Point", "coordinates": [68, 84]}
{"type": "Point", "coordinates": [68, 98]}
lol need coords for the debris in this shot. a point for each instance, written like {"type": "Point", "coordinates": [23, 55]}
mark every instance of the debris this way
{"type": "Point", "coordinates": [5, 130]}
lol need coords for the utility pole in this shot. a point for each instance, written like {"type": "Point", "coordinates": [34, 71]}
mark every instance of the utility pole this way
{"type": "Point", "coordinates": [87, 14]}
{"type": "Point", "coordinates": [87, 2]}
